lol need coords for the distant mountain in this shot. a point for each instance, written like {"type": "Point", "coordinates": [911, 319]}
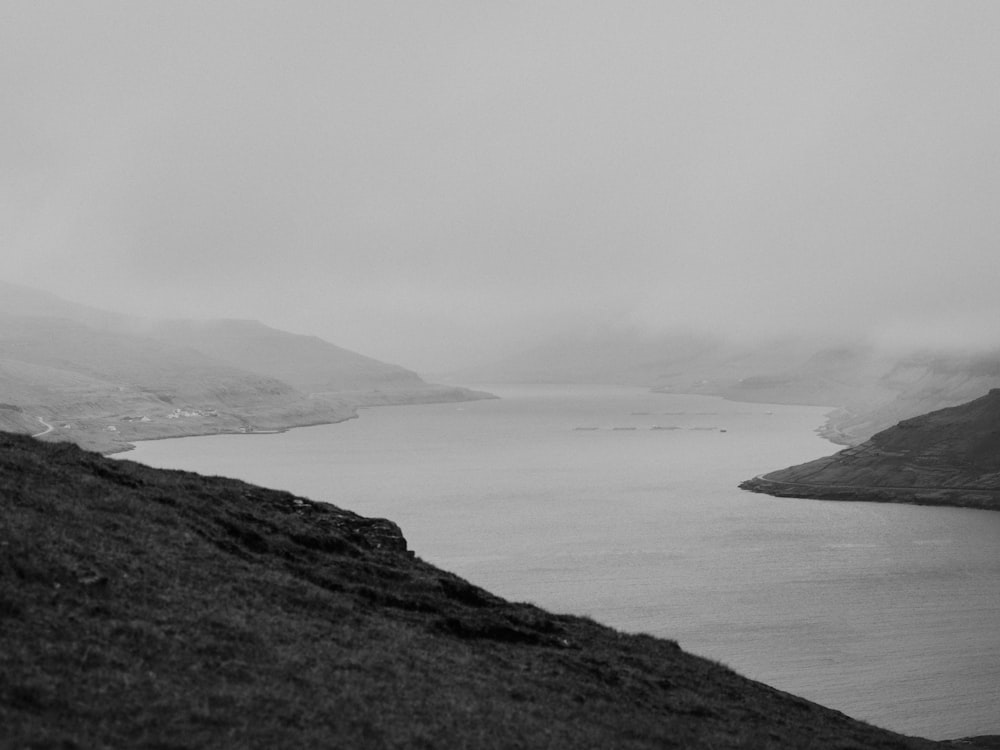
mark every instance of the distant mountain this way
{"type": "Point", "coordinates": [835, 374]}
{"type": "Point", "coordinates": [103, 389]}
{"type": "Point", "coordinates": [875, 388]}
{"type": "Point", "coordinates": [155, 609]}
{"type": "Point", "coordinates": [102, 379]}
{"type": "Point", "coordinates": [673, 360]}
{"type": "Point", "coordinates": [947, 457]}
{"type": "Point", "coordinates": [16, 299]}
{"type": "Point", "coordinates": [306, 362]}
{"type": "Point", "coordinates": [916, 384]}
{"type": "Point", "coordinates": [872, 387]}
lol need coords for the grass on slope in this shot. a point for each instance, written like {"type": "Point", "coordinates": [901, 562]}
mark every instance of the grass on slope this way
{"type": "Point", "coordinates": [144, 608]}
{"type": "Point", "coordinates": [946, 457]}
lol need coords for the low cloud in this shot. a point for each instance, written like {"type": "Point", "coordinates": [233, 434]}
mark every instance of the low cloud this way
{"type": "Point", "coordinates": [439, 184]}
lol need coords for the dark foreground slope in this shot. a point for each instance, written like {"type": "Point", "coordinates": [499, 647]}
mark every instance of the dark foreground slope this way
{"type": "Point", "coordinates": [948, 457]}
{"type": "Point", "coordinates": [147, 608]}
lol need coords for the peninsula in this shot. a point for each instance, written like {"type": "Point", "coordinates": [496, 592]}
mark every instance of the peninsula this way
{"type": "Point", "coordinates": [947, 457]}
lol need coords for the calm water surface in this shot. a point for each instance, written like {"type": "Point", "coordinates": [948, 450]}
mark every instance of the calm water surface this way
{"type": "Point", "coordinates": [567, 497]}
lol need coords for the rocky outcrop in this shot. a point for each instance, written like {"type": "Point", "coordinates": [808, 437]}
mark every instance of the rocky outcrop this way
{"type": "Point", "coordinates": [947, 457]}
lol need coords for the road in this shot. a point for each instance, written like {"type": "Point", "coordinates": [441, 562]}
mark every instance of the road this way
{"type": "Point", "coordinates": [46, 431]}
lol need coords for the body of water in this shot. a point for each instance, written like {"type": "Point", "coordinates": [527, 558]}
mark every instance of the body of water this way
{"type": "Point", "coordinates": [622, 505]}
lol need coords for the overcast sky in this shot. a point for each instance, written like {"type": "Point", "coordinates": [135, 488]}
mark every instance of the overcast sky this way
{"type": "Point", "coordinates": [430, 182]}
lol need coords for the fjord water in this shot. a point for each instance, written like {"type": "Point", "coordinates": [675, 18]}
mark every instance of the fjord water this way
{"type": "Point", "coordinates": [622, 505]}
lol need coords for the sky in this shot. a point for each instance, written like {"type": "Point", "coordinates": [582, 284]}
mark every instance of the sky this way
{"type": "Point", "coordinates": [438, 183]}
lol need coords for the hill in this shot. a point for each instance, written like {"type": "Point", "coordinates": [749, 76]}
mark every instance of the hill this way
{"type": "Point", "coordinates": [151, 609]}
{"type": "Point", "coordinates": [103, 389]}
{"type": "Point", "coordinates": [102, 379]}
{"type": "Point", "coordinates": [308, 363]}
{"type": "Point", "coordinates": [947, 457]}
{"type": "Point", "coordinates": [305, 362]}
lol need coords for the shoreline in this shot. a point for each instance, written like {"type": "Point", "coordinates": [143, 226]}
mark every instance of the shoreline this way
{"type": "Point", "coordinates": [114, 434]}
{"type": "Point", "coordinates": [946, 457]}
{"type": "Point", "coordinates": [968, 498]}
{"type": "Point", "coordinates": [958, 497]}
{"type": "Point", "coordinates": [130, 446]}
{"type": "Point", "coordinates": [355, 402]}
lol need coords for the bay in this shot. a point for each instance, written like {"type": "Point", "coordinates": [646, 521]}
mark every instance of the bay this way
{"type": "Point", "coordinates": [622, 505]}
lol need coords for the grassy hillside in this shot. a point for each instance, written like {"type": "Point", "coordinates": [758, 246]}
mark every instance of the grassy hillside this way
{"type": "Point", "coordinates": [14, 419]}
{"type": "Point", "coordinates": [102, 379]}
{"type": "Point", "coordinates": [947, 457]}
{"type": "Point", "coordinates": [103, 389]}
{"type": "Point", "coordinates": [145, 608]}
{"type": "Point", "coordinates": [305, 362]}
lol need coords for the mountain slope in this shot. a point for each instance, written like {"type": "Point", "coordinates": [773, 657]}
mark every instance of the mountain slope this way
{"type": "Point", "coordinates": [913, 385]}
{"type": "Point", "coordinates": [104, 379]}
{"type": "Point", "coordinates": [305, 362]}
{"type": "Point", "coordinates": [308, 363]}
{"type": "Point", "coordinates": [947, 457]}
{"type": "Point", "coordinates": [103, 389]}
{"type": "Point", "coordinates": [148, 608]}
{"type": "Point", "coordinates": [16, 299]}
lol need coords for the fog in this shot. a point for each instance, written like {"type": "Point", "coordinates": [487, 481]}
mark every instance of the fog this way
{"type": "Point", "coordinates": [436, 183]}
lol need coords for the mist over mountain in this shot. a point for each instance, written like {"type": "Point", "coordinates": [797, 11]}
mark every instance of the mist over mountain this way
{"type": "Point", "coordinates": [872, 383]}
{"type": "Point", "coordinates": [438, 187]}
{"type": "Point", "coordinates": [306, 362]}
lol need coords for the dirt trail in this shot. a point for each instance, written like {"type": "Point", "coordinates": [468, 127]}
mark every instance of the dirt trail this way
{"type": "Point", "coordinates": [46, 431]}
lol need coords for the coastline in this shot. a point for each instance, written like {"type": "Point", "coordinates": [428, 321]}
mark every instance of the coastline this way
{"type": "Point", "coordinates": [971, 498]}
{"type": "Point", "coordinates": [947, 457]}
{"type": "Point", "coordinates": [271, 431]}
{"type": "Point", "coordinates": [337, 407]}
